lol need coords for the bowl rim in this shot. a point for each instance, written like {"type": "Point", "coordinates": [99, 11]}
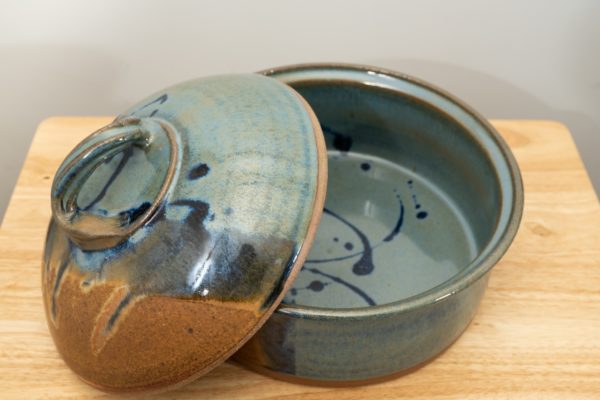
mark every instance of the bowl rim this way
{"type": "Point", "coordinates": [477, 268]}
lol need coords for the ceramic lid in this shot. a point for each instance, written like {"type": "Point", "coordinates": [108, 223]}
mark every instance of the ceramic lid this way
{"type": "Point", "coordinates": [178, 228]}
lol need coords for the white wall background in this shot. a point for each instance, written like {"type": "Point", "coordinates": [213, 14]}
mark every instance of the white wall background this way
{"type": "Point", "coordinates": [509, 59]}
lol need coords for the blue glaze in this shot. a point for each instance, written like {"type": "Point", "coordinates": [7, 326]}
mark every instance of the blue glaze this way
{"type": "Point", "coordinates": [430, 156]}
{"type": "Point", "coordinates": [125, 156]}
{"type": "Point", "coordinates": [373, 242]}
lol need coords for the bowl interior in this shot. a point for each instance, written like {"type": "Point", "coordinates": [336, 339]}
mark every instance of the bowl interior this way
{"type": "Point", "coordinates": [414, 193]}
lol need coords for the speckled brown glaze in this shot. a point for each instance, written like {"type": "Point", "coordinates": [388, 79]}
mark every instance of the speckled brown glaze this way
{"type": "Point", "coordinates": [162, 340]}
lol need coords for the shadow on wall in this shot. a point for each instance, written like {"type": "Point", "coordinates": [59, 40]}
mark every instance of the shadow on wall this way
{"type": "Point", "coordinates": [496, 98]}
{"type": "Point", "coordinates": [49, 81]}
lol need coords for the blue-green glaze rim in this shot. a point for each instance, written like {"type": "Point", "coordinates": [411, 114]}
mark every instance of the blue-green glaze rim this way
{"type": "Point", "coordinates": [493, 250]}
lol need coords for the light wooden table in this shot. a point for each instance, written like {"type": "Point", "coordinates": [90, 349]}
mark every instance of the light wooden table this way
{"type": "Point", "coordinates": [536, 335]}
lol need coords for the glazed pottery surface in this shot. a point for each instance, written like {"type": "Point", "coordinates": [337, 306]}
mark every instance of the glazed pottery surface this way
{"type": "Point", "coordinates": [178, 228]}
{"type": "Point", "coordinates": [423, 199]}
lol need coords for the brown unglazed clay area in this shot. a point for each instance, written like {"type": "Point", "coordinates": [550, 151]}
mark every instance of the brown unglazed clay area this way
{"type": "Point", "coordinates": [163, 340]}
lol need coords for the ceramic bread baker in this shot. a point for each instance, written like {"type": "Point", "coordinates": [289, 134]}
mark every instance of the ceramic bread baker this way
{"type": "Point", "coordinates": [178, 229]}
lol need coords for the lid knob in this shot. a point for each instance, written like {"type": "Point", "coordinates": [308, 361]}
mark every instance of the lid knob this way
{"type": "Point", "coordinates": [88, 198]}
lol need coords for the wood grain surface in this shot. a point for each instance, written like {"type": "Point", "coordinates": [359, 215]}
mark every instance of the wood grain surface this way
{"type": "Point", "coordinates": [536, 334]}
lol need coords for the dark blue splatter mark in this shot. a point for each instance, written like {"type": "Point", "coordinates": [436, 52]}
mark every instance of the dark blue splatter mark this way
{"type": "Point", "coordinates": [126, 156]}
{"type": "Point", "coordinates": [364, 265]}
{"type": "Point", "coordinates": [199, 211]}
{"type": "Point", "coordinates": [316, 286]}
{"type": "Point", "coordinates": [415, 201]}
{"type": "Point", "coordinates": [348, 246]}
{"type": "Point", "coordinates": [350, 286]}
{"type": "Point", "coordinates": [159, 100]}
{"type": "Point", "coordinates": [115, 315]}
{"type": "Point", "coordinates": [341, 142]}
{"type": "Point", "coordinates": [367, 247]}
{"type": "Point", "coordinates": [417, 205]}
{"type": "Point", "coordinates": [398, 225]}
{"type": "Point", "coordinates": [341, 258]}
{"type": "Point", "coordinates": [365, 166]}
{"type": "Point", "coordinates": [198, 171]}
{"type": "Point", "coordinates": [59, 277]}
{"type": "Point", "coordinates": [422, 214]}
{"type": "Point", "coordinates": [128, 216]}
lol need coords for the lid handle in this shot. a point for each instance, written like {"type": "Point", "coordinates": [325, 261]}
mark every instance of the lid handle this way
{"type": "Point", "coordinates": [93, 228]}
